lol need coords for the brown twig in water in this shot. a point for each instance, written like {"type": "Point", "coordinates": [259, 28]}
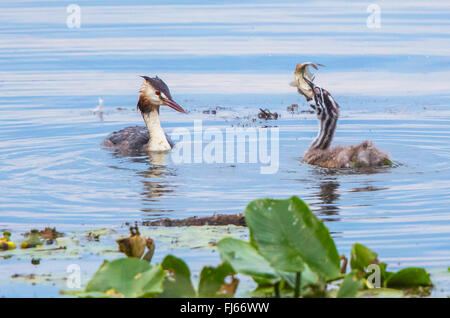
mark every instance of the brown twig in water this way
{"type": "Point", "coordinates": [216, 219]}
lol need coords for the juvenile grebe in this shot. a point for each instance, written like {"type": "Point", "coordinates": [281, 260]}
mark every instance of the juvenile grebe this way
{"type": "Point", "coordinates": [327, 111]}
{"type": "Point", "coordinates": [134, 140]}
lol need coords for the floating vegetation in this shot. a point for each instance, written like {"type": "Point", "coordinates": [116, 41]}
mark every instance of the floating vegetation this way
{"type": "Point", "coordinates": [96, 234]}
{"type": "Point", "coordinates": [267, 114]}
{"type": "Point", "coordinates": [39, 279]}
{"type": "Point", "coordinates": [34, 240]}
{"type": "Point", "coordinates": [285, 251]}
{"type": "Point", "coordinates": [293, 109]}
{"type": "Point", "coordinates": [215, 220]}
{"type": "Point", "coordinates": [50, 234]}
{"type": "Point", "coordinates": [135, 245]}
{"type": "Point", "coordinates": [290, 254]}
{"type": "Point", "coordinates": [5, 242]}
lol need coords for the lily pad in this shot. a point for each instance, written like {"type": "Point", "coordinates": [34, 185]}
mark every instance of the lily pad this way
{"type": "Point", "coordinates": [308, 278]}
{"type": "Point", "coordinates": [409, 277]}
{"type": "Point", "coordinates": [350, 286]}
{"type": "Point", "coordinates": [178, 278]}
{"type": "Point", "coordinates": [34, 240]}
{"type": "Point", "coordinates": [288, 234]}
{"type": "Point", "coordinates": [245, 259]}
{"type": "Point", "coordinates": [361, 257]}
{"type": "Point", "coordinates": [127, 277]}
{"type": "Point", "coordinates": [380, 293]}
{"type": "Point", "coordinates": [5, 242]}
{"type": "Point", "coordinates": [135, 245]}
{"type": "Point", "coordinates": [212, 281]}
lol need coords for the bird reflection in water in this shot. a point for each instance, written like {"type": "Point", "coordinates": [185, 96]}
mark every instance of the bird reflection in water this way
{"type": "Point", "coordinates": [326, 191]}
{"type": "Point", "coordinates": [328, 195]}
{"type": "Point", "coordinates": [156, 183]}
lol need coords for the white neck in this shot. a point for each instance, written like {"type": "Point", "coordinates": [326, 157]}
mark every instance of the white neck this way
{"type": "Point", "coordinates": [158, 140]}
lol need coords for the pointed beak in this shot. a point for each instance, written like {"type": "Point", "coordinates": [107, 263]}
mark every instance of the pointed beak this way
{"type": "Point", "coordinates": [173, 104]}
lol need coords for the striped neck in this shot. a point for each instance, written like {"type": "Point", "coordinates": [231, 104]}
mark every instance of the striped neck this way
{"type": "Point", "coordinates": [327, 111]}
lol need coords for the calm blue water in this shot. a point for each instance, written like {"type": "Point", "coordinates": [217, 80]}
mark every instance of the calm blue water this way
{"type": "Point", "coordinates": [391, 83]}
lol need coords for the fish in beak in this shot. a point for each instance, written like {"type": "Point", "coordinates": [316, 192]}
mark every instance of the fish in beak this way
{"type": "Point", "coordinates": [302, 75]}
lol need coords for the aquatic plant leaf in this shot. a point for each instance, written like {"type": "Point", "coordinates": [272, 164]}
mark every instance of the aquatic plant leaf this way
{"type": "Point", "coordinates": [95, 295]}
{"type": "Point", "coordinates": [50, 233]}
{"type": "Point", "coordinates": [212, 281]}
{"type": "Point", "coordinates": [245, 259]}
{"type": "Point", "coordinates": [350, 286]}
{"type": "Point", "coordinates": [361, 257]}
{"type": "Point", "coordinates": [135, 245]}
{"type": "Point", "coordinates": [34, 240]}
{"type": "Point", "coordinates": [308, 278]}
{"type": "Point", "coordinates": [384, 273]}
{"type": "Point", "coordinates": [409, 277]}
{"type": "Point", "coordinates": [264, 291]}
{"type": "Point", "coordinates": [189, 237]}
{"type": "Point", "coordinates": [130, 277]}
{"type": "Point", "coordinates": [288, 234]}
{"type": "Point", "coordinates": [5, 242]}
{"type": "Point", "coordinates": [40, 279]}
{"type": "Point", "coordinates": [94, 235]}
{"type": "Point", "coordinates": [178, 278]}
{"type": "Point", "coordinates": [100, 232]}
{"type": "Point", "coordinates": [380, 293]}
{"type": "Point", "coordinates": [7, 245]}
{"type": "Point", "coordinates": [6, 236]}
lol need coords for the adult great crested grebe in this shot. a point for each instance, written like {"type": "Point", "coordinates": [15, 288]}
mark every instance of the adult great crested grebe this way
{"type": "Point", "coordinates": [327, 110]}
{"type": "Point", "coordinates": [134, 140]}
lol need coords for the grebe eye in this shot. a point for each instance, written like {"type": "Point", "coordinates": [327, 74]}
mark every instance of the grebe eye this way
{"type": "Point", "coordinates": [158, 93]}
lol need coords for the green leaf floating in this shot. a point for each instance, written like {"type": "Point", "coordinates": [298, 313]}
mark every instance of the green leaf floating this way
{"type": "Point", "coordinates": [361, 257]}
{"type": "Point", "coordinates": [350, 286]}
{"type": "Point", "coordinates": [212, 279]}
{"type": "Point", "coordinates": [288, 234]}
{"type": "Point", "coordinates": [178, 282]}
{"type": "Point", "coordinates": [127, 277]}
{"type": "Point", "coordinates": [409, 277]}
{"type": "Point", "coordinates": [245, 259]}
{"type": "Point", "coordinates": [380, 293]}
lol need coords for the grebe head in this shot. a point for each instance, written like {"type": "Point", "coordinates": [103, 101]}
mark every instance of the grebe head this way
{"type": "Point", "coordinates": [154, 93]}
